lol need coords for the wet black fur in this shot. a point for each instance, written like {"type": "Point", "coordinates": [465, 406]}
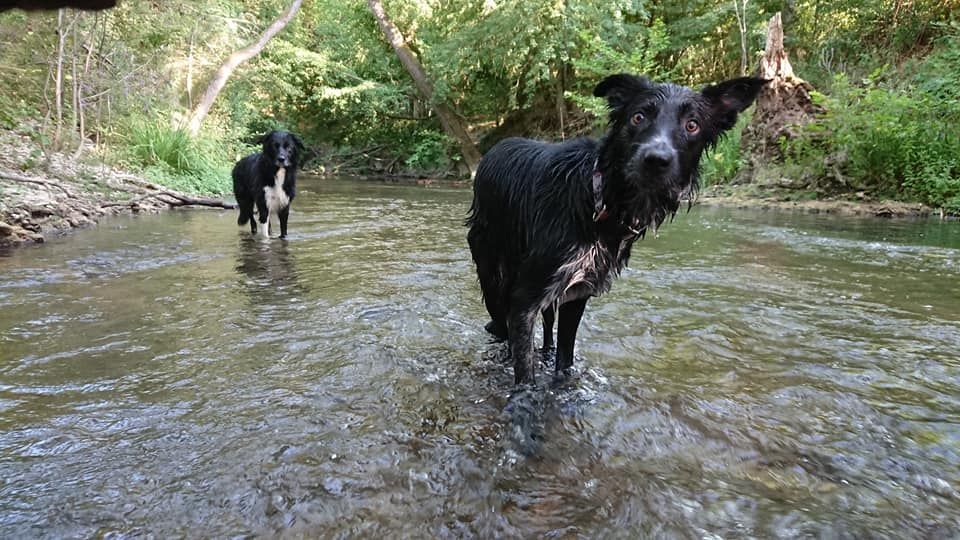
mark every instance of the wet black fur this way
{"type": "Point", "coordinates": [256, 171]}
{"type": "Point", "coordinates": [532, 236]}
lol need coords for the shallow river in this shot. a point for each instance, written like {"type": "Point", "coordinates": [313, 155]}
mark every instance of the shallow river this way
{"type": "Point", "coordinates": [751, 374]}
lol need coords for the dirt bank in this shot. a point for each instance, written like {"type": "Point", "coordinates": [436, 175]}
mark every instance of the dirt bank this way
{"type": "Point", "coordinates": [786, 201]}
{"type": "Point", "coordinates": [48, 194]}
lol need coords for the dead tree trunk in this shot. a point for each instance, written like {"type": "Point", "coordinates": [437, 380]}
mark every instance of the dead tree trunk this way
{"type": "Point", "coordinates": [452, 123]}
{"type": "Point", "coordinates": [58, 79]}
{"type": "Point", "coordinates": [81, 80]}
{"type": "Point", "coordinates": [740, 9]}
{"type": "Point", "coordinates": [783, 106]}
{"type": "Point", "coordinates": [222, 75]}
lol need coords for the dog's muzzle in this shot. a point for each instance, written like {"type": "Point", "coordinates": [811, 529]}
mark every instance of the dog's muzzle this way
{"type": "Point", "coordinates": [657, 157]}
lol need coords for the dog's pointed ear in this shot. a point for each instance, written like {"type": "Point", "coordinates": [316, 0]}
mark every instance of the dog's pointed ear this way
{"type": "Point", "coordinates": [263, 138]}
{"type": "Point", "coordinates": [298, 142]}
{"type": "Point", "coordinates": [620, 88]}
{"type": "Point", "coordinates": [729, 98]}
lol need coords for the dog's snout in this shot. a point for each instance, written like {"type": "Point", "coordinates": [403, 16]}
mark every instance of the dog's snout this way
{"type": "Point", "coordinates": [658, 157]}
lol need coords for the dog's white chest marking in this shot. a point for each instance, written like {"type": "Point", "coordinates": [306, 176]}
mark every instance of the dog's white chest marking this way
{"type": "Point", "coordinates": [276, 197]}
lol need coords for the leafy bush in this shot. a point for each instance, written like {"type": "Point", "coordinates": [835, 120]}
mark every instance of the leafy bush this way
{"type": "Point", "coordinates": [169, 156]}
{"type": "Point", "coordinates": [12, 109]}
{"type": "Point", "coordinates": [722, 163]}
{"type": "Point", "coordinates": [894, 141]}
{"type": "Point", "coordinates": [430, 152]}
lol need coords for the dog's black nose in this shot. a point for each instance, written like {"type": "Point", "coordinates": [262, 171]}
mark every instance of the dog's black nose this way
{"type": "Point", "coordinates": [657, 158]}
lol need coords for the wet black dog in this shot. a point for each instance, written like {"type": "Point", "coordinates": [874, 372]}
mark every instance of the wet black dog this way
{"type": "Point", "coordinates": [268, 180]}
{"type": "Point", "coordinates": [552, 224]}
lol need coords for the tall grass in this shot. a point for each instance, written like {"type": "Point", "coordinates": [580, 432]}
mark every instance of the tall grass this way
{"type": "Point", "coordinates": [721, 164]}
{"type": "Point", "coordinates": [171, 157]}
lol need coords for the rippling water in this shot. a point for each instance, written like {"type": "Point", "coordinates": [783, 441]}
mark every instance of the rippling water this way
{"type": "Point", "coordinates": [751, 374]}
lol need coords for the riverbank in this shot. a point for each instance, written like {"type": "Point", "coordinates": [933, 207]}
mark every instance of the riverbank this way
{"type": "Point", "coordinates": [739, 196]}
{"type": "Point", "coordinates": [748, 196]}
{"type": "Point", "coordinates": [46, 194]}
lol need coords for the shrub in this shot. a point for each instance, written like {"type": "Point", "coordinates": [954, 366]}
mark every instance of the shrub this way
{"type": "Point", "coordinates": [171, 157]}
{"type": "Point", "coordinates": [721, 164]}
{"type": "Point", "coordinates": [893, 139]}
{"type": "Point", "coordinates": [430, 152]}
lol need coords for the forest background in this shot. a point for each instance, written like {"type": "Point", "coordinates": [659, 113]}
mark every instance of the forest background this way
{"type": "Point", "coordinates": [119, 86]}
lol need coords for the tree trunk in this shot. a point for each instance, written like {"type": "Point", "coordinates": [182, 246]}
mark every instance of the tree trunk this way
{"type": "Point", "coordinates": [58, 79]}
{"type": "Point", "coordinates": [783, 106]}
{"type": "Point", "coordinates": [740, 9]}
{"type": "Point", "coordinates": [82, 125]}
{"type": "Point", "coordinates": [74, 80]}
{"type": "Point", "coordinates": [223, 74]}
{"type": "Point", "coordinates": [452, 123]}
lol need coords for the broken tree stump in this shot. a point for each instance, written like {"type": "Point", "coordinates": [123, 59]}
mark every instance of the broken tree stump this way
{"type": "Point", "coordinates": [783, 107]}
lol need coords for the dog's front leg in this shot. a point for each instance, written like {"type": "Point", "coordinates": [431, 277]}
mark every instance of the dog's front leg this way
{"type": "Point", "coordinates": [570, 314]}
{"type": "Point", "coordinates": [283, 214]}
{"type": "Point", "coordinates": [263, 216]}
{"type": "Point", "coordinates": [520, 330]}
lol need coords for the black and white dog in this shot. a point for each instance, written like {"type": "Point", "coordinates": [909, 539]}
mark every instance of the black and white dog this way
{"type": "Point", "coordinates": [552, 224]}
{"type": "Point", "coordinates": [268, 180]}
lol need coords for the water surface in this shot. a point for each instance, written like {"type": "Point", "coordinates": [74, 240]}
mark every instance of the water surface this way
{"type": "Point", "coordinates": [751, 374]}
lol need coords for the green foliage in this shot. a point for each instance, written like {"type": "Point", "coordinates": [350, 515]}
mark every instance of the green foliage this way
{"type": "Point", "coordinates": [12, 109]}
{"type": "Point", "coordinates": [430, 152]}
{"type": "Point", "coordinates": [331, 77]}
{"type": "Point", "coordinates": [721, 164]}
{"type": "Point", "coordinates": [857, 36]}
{"type": "Point", "coordinates": [326, 99]}
{"type": "Point", "coordinates": [170, 156]}
{"type": "Point", "coordinates": [530, 47]}
{"type": "Point", "coordinates": [600, 58]}
{"type": "Point", "coordinates": [893, 141]}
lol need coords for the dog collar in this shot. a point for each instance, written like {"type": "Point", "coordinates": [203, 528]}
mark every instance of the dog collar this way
{"type": "Point", "coordinates": [599, 209]}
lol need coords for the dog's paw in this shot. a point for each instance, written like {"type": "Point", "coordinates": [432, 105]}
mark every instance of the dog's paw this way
{"type": "Point", "coordinates": [525, 420]}
{"type": "Point", "coordinates": [548, 356]}
{"type": "Point", "coordinates": [498, 331]}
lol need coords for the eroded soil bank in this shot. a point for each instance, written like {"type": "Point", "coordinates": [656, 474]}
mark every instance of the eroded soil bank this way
{"type": "Point", "coordinates": [44, 194]}
{"type": "Point", "coordinates": [843, 207]}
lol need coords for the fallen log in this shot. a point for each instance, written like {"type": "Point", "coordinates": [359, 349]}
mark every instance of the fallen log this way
{"type": "Point", "coordinates": [145, 189]}
{"type": "Point", "coordinates": [173, 200]}
{"type": "Point", "coordinates": [27, 180]}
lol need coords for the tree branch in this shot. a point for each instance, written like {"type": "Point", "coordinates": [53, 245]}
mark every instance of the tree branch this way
{"type": "Point", "coordinates": [222, 75]}
{"type": "Point", "coordinates": [27, 180]}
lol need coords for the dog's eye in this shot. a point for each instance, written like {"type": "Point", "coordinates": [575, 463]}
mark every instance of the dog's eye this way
{"type": "Point", "coordinates": [692, 126]}
{"type": "Point", "coordinates": [637, 118]}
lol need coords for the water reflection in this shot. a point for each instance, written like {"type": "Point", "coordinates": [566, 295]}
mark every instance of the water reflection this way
{"type": "Point", "coordinates": [265, 263]}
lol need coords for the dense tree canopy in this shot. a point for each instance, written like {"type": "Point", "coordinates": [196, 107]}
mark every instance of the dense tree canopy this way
{"type": "Point", "coordinates": [506, 66]}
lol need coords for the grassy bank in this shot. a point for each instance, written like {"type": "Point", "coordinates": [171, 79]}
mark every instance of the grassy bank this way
{"type": "Point", "coordinates": [171, 157]}
{"type": "Point", "coordinates": [893, 135]}
{"type": "Point", "coordinates": [45, 192]}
